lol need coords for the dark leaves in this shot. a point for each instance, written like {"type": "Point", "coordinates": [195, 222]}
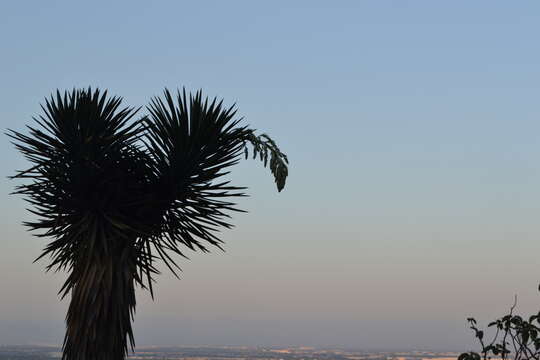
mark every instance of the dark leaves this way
{"type": "Point", "coordinates": [512, 335]}
{"type": "Point", "coordinates": [87, 171]}
{"type": "Point", "coordinates": [266, 149]}
{"type": "Point", "coordinates": [114, 194]}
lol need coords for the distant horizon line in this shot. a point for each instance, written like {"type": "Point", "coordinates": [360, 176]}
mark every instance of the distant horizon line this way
{"type": "Point", "coordinates": [282, 347]}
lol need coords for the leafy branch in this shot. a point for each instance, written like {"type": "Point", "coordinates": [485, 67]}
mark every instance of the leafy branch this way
{"type": "Point", "coordinates": [268, 152]}
{"type": "Point", "coordinates": [514, 336]}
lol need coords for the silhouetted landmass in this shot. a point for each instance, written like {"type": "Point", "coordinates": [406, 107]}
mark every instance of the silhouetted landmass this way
{"type": "Point", "coordinates": [233, 353]}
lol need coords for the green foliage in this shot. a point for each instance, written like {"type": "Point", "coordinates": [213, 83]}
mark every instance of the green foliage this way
{"type": "Point", "coordinates": [116, 194]}
{"type": "Point", "coordinates": [513, 337]}
{"type": "Point", "coordinates": [264, 146]}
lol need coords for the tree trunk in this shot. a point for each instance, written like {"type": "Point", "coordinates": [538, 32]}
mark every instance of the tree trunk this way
{"type": "Point", "coordinates": [101, 309]}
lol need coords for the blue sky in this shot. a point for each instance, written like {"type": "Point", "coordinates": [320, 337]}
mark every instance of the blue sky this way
{"type": "Point", "coordinates": [412, 129]}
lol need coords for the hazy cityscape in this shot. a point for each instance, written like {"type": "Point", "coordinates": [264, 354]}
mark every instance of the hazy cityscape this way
{"type": "Point", "coordinates": [235, 353]}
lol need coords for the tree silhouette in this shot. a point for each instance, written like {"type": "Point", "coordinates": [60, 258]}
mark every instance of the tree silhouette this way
{"type": "Point", "coordinates": [512, 337]}
{"type": "Point", "coordinates": [116, 195]}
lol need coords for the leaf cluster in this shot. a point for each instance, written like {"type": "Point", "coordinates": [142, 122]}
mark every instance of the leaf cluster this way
{"type": "Point", "coordinates": [101, 181]}
{"type": "Point", "coordinates": [265, 148]}
{"type": "Point", "coordinates": [514, 337]}
{"type": "Point", "coordinates": [115, 194]}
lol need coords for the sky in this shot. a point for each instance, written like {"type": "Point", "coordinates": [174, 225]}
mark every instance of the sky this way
{"type": "Point", "coordinates": [414, 143]}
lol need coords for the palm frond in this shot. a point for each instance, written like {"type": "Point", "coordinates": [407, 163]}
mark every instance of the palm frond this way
{"type": "Point", "coordinates": [87, 169]}
{"type": "Point", "coordinates": [114, 195]}
{"type": "Point", "coordinates": [193, 141]}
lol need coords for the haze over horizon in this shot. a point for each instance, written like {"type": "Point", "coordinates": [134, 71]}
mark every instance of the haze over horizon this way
{"type": "Point", "coordinates": [414, 138]}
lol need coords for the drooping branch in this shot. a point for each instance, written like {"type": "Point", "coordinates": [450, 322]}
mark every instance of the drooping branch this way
{"type": "Point", "coordinates": [268, 152]}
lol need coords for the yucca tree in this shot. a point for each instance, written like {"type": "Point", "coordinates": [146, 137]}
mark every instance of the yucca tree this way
{"type": "Point", "coordinates": [116, 194]}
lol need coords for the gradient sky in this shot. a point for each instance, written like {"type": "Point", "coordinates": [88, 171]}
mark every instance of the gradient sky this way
{"type": "Point", "coordinates": [414, 137]}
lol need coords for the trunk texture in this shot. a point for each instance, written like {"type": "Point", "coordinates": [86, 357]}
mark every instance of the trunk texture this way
{"type": "Point", "coordinates": [98, 321]}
